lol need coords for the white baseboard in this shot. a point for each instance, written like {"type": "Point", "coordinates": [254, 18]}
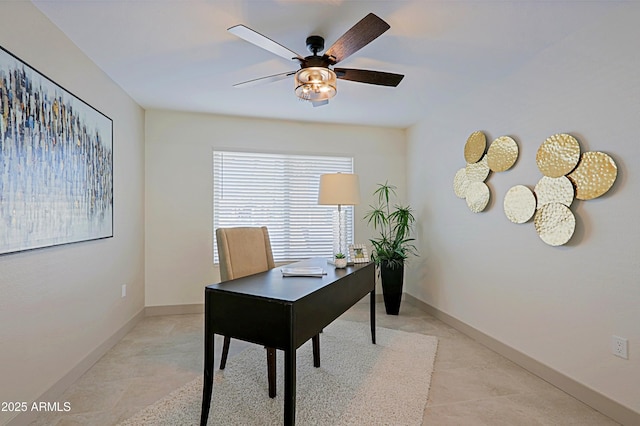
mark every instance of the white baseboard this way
{"type": "Point", "coordinates": [196, 308]}
{"type": "Point", "coordinates": [618, 412]}
{"type": "Point", "coordinates": [58, 388]}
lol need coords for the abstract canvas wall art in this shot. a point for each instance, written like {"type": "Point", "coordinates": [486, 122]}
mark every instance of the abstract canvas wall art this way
{"type": "Point", "coordinates": [56, 163]}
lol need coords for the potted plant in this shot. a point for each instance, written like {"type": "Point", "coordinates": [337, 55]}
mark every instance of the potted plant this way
{"type": "Point", "coordinates": [341, 260]}
{"type": "Point", "coordinates": [393, 245]}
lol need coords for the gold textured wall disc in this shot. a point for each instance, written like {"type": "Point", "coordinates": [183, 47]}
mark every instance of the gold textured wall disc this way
{"type": "Point", "coordinates": [477, 196]}
{"type": "Point", "coordinates": [555, 224]}
{"type": "Point", "coordinates": [519, 204]}
{"type": "Point", "coordinates": [554, 190]}
{"type": "Point", "coordinates": [478, 171]}
{"type": "Point", "coordinates": [558, 155]}
{"type": "Point", "coordinates": [594, 175]}
{"type": "Point", "coordinates": [475, 146]}
{"type": "Point", "coordinates": [502, 154]}
{"type": "Point", "coordinates": [460, 183]}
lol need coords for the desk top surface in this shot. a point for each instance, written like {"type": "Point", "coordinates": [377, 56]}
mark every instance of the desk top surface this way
{"type": "Point", "coordinates": [272, 285]}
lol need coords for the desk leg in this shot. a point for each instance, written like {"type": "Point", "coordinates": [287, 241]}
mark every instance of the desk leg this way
{"type": "Point", "coordinates": [315, 342]}
{"type": "Point", "coordinates": [290, 386]}
{"type": "Point", "coordinates": [208, 370]}
{"type": "Point", "coordinates": [372, 315]}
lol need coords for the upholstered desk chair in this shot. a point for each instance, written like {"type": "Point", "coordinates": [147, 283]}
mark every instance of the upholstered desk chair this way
{"type": "Point", "coordinates": [247, 251]}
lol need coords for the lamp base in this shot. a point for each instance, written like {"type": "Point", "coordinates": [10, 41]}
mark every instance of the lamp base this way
{"type": "Point", "coordinates": [339, 231]}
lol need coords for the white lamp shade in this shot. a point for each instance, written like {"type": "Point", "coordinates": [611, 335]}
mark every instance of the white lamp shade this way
{"type": "Point", "coordinates": [339, 189]}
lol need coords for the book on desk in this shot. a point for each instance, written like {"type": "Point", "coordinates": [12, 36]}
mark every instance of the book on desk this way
{"type": "Point", "coordinates": [303, 271]}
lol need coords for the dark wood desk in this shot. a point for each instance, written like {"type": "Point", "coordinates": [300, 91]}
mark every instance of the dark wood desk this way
{"type": "Point", "coordinates": [283, 313]}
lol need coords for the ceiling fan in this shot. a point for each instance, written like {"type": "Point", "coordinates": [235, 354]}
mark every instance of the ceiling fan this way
{"type": "Point", "coordinates": [315, 81]}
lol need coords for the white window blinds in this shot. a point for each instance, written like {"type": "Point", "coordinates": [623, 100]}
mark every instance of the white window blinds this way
{"type": "Point", "coordinates": [279, 191]}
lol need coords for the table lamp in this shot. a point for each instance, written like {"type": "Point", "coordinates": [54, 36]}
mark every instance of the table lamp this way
{"type": "Point", "coordinates": [341, 189]}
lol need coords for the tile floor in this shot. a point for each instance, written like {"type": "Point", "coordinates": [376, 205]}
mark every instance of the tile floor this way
{"type": "Point", "coordinates": [471, 384]}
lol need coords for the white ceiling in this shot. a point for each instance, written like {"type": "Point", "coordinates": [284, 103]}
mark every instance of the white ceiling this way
{"type": "Point", "coordinates": [177, 54]}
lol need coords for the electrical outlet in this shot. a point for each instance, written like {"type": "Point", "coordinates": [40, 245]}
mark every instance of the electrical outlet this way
{"type": "Point", "coordinates": [619, 347]}
{"type": "Point", "coordinates": [124, 290]}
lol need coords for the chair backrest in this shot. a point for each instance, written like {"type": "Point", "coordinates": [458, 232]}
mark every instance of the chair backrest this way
{"type": "Point", "coordinates": [243, 251]}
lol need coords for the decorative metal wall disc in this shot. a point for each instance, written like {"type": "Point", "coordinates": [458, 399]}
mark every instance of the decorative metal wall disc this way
{"type": "Point", "coordinates": [477, 196]}
{"type": "Point", "coordinates": [555, 224]}
{"type": "Point", "coordinates": [478, 172]}
{"type": "Point", "coordinates": [475, 146]}
{"type": "Point", "coordinates": [502, 154]}
{"type": "Point", "coordinates": [554, 190]}
{"type": "Point", "coordinates": [594, 175]}
{"type": "Point", "coordinates": [558, 155]}
{"type": "Point", "coordinates": [519, 204]}
{"type": "Point", "coordinates": [460, 183]}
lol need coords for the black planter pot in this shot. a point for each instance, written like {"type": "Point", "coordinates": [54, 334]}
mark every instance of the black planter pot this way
{"type": "Point", "coordinates": [392, 280]}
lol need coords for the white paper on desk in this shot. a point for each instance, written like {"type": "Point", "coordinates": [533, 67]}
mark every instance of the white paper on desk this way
{"type": "Point", "coordinates": [301, 271]}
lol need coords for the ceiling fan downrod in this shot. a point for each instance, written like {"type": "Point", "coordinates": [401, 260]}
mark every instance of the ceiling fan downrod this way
{"type": "Point", "coordinates": [315, 44]}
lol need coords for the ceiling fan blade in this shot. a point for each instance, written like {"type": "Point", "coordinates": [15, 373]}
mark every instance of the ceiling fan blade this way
{"type": "Point", "coordinates": [266, 43]}
{"type": "Point", "coordinates": [364, 32]}
{"type": "Point", "coordinates": [320, 103]}
{"type": "Point", "coordinates": [367, 76]}
{"type": "Point", "coordinates": [267, 79]}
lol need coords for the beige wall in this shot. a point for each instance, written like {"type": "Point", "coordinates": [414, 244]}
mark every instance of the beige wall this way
{"type": "Point", "coordinates": [179, 199]}
{"type": "Point", "coordinates": [59, 304]}
{"type": "Point", "coordinates": [558, 305]}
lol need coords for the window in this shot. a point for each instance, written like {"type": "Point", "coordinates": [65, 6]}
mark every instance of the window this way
{"type": "Point", "coordinates": [281, 193]}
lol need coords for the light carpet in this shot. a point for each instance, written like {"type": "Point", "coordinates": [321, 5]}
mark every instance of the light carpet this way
{"type": "Point", "coordinates": [358, 383]}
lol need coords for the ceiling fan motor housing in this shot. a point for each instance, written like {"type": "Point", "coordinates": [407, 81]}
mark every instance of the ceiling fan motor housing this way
{"type": "Point", "coordinates": [315, 44]}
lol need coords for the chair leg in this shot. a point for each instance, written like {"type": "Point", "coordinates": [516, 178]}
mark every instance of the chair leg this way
{"type": "Point", "coordinates": [315, 341]}
{"type": "Point", "coordinates": [225, 352]}
{"type": "Point", "coordinates": [271, 371]}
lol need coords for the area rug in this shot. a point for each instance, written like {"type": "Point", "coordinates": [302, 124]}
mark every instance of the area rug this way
{"type": "Point", "coordinates": [357, 384]}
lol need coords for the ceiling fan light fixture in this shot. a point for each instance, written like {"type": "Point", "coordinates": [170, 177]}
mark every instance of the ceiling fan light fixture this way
{"type": "Point", "coordinates": [315, 84]}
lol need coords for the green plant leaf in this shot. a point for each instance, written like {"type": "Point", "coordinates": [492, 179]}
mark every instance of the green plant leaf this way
{"type": "Point", "coordinates": [394, 244]}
